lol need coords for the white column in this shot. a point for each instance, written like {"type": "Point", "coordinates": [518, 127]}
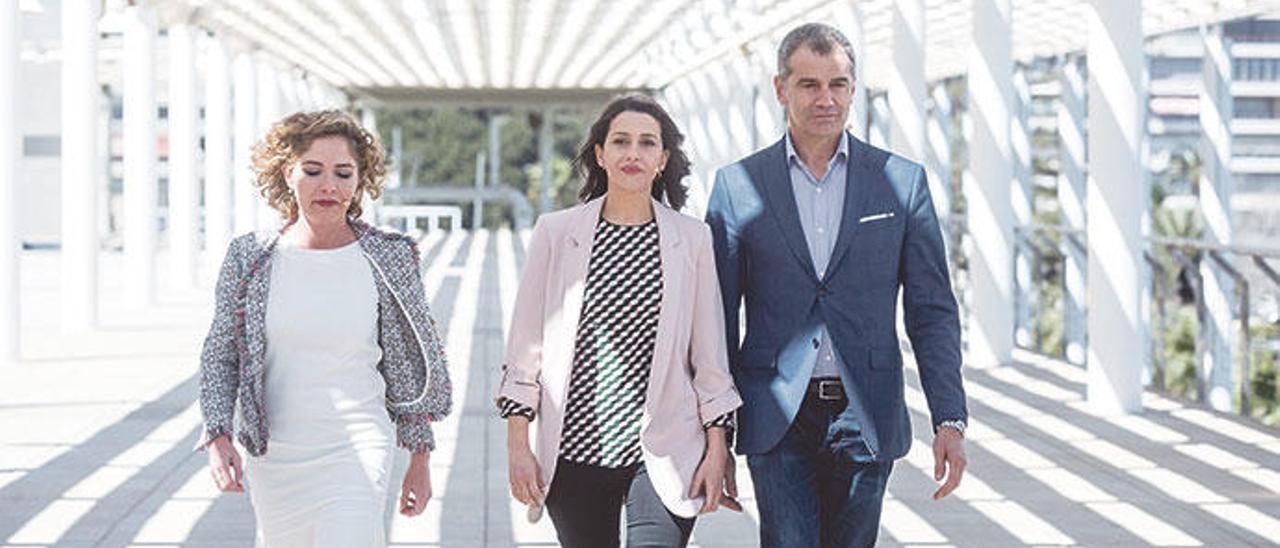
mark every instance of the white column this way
{"type": "Point", "coordinates": [477, 204]}
{"type": "Point", "coordinates": [139, 128]}
{"type": "Point", "coordinates": [907, 91]}
{"type": "Point", "coordinates": [1023, 210]}
{"type": "Point", "coordinates": [9, 239]}
{"type": "Point", "coordinates": [987, 186]}
{"type": "Point", "coordinates": [878, 121]}
{"type": "Point", "coordinates": [848, 18]}
{"type": "Point", "coordinates": [246, 129]}
{"type": "Point", "coordinates": [939, 137]}
{"type": "Point", "coordinates": [1115, 202]}
{"type": "Point", "coordinates": [546, 201]}
{"type": "Point", "coordinates": [218, 225]}
{"type": "Point", "coordinates": [81, 170]}
{"type": "Point", "coordinates": [184, 181]}
{"type": "Point", "coordinates": [268, 112]}
{"type": "Point", "coordinates": [495, 149]}
{"type": "Point", "coordinates": [1216, 187]}
{"type": "Point", "coordinates": [1071, 189]}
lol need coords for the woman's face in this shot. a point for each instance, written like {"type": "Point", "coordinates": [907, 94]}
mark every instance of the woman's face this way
{"type": "Point", "coordinates": [632, 153]}
{"type": "Point", "coordinates": [324, 180]}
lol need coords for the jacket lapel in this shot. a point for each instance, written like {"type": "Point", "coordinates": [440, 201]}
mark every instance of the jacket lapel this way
{"type": "Point", "coordinates": [856, 192]}
{"type": "Point", "coordinates": [254, 305]}
{"type": "Point", "coordinates": [773, 175]}
{"type": "Point", "coordinates": [573, 269]}
{"type": "Point", "coordinates": [670, 251]}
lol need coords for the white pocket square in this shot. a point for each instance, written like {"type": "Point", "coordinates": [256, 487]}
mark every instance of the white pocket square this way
{"type": "Point", "coordinates": [876, 217]}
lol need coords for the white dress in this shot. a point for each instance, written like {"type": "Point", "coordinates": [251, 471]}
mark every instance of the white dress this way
{"type": "Point", "coordinates": [326, 476]}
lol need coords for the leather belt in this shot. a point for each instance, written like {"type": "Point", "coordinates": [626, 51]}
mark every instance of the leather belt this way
{"type": "Point", "coordinates": [827, 389]}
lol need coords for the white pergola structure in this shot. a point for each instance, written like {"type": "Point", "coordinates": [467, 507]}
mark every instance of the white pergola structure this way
{"type": "Point", "coordinates": [709, 61]}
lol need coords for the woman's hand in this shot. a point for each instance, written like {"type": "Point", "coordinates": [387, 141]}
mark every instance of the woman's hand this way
{"type": "Point", "coordinates": [225, 464]}
{"type": "Point", "coordinates": [415, 491]}
{"type": "Point", "coordinates": [523, 472]}
{"type": "Point", "coordinates": [708, 480]}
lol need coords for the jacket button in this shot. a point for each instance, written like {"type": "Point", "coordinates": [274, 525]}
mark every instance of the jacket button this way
{"type": "Point", "coordinates": [815, 342]}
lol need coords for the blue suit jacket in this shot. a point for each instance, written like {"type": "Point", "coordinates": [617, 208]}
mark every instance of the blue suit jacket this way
{"type": "Point", "coordinates": [889, 240]}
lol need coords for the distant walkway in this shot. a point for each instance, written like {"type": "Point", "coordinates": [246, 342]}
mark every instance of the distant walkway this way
{"type": "Point", "coordinates": [96, 433]}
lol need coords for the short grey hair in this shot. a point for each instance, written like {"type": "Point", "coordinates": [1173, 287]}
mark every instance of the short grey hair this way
{"type": "Point", "coordinates": [819, 37]}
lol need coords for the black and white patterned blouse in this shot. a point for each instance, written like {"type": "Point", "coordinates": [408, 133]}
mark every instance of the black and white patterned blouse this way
{"type": "Point", "coordinates": [613, 350]}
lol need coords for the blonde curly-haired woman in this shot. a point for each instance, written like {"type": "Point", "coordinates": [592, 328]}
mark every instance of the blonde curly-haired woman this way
{"type": "Point", "coordinates": [322, 338]}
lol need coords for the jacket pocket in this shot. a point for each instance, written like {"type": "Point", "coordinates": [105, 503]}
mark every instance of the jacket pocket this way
{"type": "Point", "coordinates": [884, 357]}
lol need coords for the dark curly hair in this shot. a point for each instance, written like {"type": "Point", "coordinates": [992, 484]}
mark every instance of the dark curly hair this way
{"type": "Point", "coordinates": [669, 187]}
{"type": "Point", "coordinates": [290, 137]}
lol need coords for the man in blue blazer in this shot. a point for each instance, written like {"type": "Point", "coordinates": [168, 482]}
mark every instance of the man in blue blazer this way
{"type": "Point", "coordinates": [817, 233]}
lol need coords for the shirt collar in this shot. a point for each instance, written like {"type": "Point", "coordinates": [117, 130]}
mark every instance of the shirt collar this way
{"type": "Point", "coordinates": [842, 149]}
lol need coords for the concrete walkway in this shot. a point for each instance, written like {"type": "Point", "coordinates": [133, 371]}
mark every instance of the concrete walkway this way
{"type": "Point", "coordinates": [96, 432]}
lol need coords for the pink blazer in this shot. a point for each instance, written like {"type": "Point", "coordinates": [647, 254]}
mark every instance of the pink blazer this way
{"type": "Point", "coordinates": [689, 382]}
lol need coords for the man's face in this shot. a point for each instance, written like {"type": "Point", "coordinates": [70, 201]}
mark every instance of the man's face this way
{"type": "Point", "coordinates": [816, 94]}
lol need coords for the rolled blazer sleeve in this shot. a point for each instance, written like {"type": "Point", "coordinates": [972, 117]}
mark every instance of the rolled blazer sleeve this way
{"type": "Point", "coordinates": [708, 355]}
{"type": "Point", "coordinates": [522, 364]}
{"type": "Point", "coordinates": [219, 359]}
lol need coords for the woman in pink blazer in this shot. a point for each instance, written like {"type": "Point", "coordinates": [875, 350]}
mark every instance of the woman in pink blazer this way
{"type": "Point", "coordinates": [617, 350]}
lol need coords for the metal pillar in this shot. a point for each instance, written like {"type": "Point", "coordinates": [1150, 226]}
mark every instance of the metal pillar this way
{"type": "Point", "coordinates": [246, 102]}
{"type": "Point", "coordinates": [218, 226]}
{"type": "Point", "coordinates": [1071, 189]}
{"type": "Point", "coordinates": [81, 170]}
{"type": "Point", "coordinates": [987, 186]}
{"type": "Point", "coordinates": [1115, 205]}
{"type": "Point", "coordinates": [1216, 187]}
{"type": "Point", "coordinates": [1023, 205]}
{"type": "Point", "coordinates": [10, 242]}
{"type": "Point", "coordinates": [907, 91]}
{"type": "Point", "coordinates": [939, 158]}
{"type": "Point", "coordinates": [545, 200]}
{"type": "Point", "coordinates": [477, 204]}
{"type": "Point", "coordinates": [184, 182]}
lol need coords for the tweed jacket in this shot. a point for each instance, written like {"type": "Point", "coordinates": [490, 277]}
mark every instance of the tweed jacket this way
{"type": "Point", "coordinates": [233, 361]}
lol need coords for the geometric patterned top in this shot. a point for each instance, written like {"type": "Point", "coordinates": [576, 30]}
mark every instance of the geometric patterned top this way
{"type": "Point", "coordinates": [613, 350]}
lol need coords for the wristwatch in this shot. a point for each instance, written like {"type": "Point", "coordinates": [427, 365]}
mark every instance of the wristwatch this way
{"type": "Point", "coordinates": [954, 424]}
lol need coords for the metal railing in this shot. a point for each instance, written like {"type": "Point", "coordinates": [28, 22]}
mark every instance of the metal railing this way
{"type": "Point", "coordinates": [1044, 242]}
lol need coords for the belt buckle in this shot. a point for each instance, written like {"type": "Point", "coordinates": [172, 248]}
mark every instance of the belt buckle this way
{"type": "Point", "coordinates": [830, 390]}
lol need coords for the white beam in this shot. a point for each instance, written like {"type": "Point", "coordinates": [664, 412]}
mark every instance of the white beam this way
{"type": "Point", "coordinates": [246, 102]}
{"type": "Point", "coordinates": [1071, 198]}
{"type": "Point", "coordinates": [139, 128]}
{"type": "Point", "coordinates": [987, 186]}
{"type": "Point", "coordinates": [10, 242]}
{"type": "Point", "coordinates": [184, 181]}
{"type": "Point", "coordinates": [1115, 204]}
{"type": "Point", "coordinates": [218, 224]}
{"type": "Point", "coordinates": [81, 170]}
{"type": "Point", "coordinates": [1216, 187]}
{"type": "Point", "coordinates": [907, 91]}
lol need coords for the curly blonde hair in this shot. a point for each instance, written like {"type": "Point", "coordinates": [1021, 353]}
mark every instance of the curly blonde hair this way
{"type": "Point", "coordinates": [290, 137]}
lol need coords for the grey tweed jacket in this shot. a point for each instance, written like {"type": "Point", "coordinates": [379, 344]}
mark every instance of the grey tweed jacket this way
{"type": "Point", "coordinates": [234, 358]}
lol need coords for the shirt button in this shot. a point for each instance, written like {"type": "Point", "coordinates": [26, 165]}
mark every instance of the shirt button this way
{"type": "Point", "coordinates": [819, 191]}
{"type": "Point", "coordinates": [820, 230]}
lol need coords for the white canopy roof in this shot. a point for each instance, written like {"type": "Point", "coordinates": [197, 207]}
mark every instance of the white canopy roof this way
{"type": "Point", "coordinates": [392, 49]}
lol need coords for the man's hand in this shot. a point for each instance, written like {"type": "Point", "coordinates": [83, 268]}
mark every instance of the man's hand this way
{"type": "Point", "coordinates": [948, 460]}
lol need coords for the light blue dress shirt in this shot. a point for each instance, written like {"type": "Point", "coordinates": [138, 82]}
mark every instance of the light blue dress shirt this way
{"type": "Point", "coordinates": [821, 205]}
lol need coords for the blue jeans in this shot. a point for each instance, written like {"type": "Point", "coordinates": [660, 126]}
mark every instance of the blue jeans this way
{"type": "Point", "coordinates": [819, 485]}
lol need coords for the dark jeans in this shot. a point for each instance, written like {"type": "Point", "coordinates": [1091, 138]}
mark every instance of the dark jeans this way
{"type": "Point", "coordinates": [584, 503]}
{"type": "Point", "coordinates": [819, 486]}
